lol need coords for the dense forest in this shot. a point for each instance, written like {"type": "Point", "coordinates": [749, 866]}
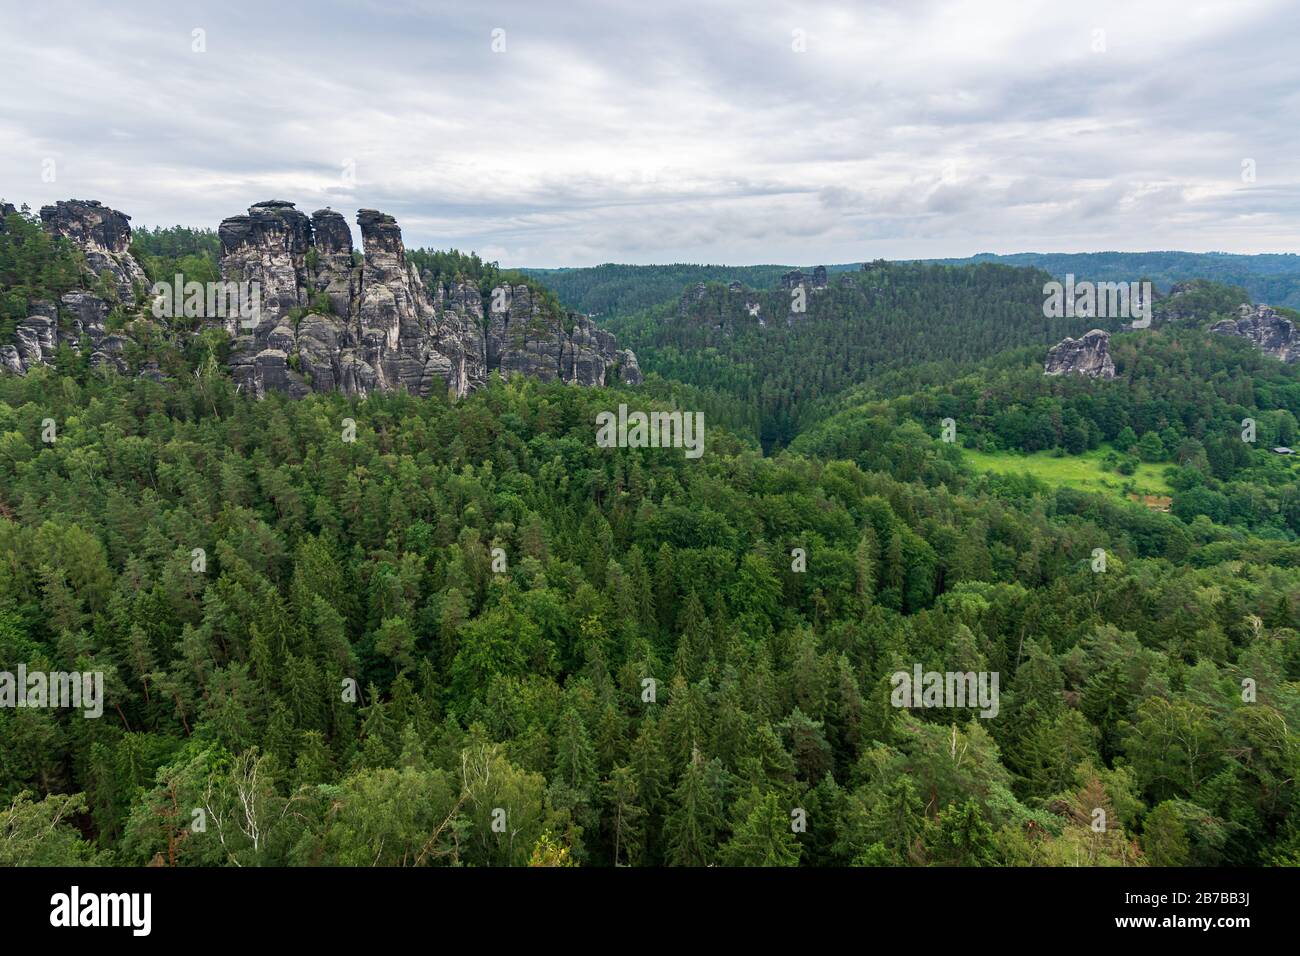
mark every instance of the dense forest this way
{"type": "Point", "coordinates": [613, 290]}
{"type": "Point", "coordinates": [778, 356]}
{"type": "Point", "coordinates": [1266, 277]}
{"type": "Point", "coordinates": [400, 631]}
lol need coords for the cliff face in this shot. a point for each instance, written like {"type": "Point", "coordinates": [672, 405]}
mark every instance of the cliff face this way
{"type": "Point", "coordinates": [1087, 355]}
{"type": "Point", "coordinates": [796, 278]}
{"type": "Point", "coordinates": [326, 322]}
{"type": "Point", "coordinates": [1268, 331]}
{"type": "Point", "coordinates": [38, 336]}
{"type": "Point", "coordinates": [104, 235]}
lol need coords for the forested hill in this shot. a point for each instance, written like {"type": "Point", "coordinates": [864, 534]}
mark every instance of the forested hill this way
{"type": "Point", "coordinates": [611, 290]}
{"type": "Point", "coordinates": [1177, 401]}
{"type": "Point", "coordinates": [368, 630]}
{"type": "Point", "coordinates": [1271, 278]}
{"type": "Point", "coordinates": [612, 646]}
{"type": "Point", "coordinates": [774, 364]}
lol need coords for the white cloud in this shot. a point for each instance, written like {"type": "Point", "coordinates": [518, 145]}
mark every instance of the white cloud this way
{"type": "Point", "coordinates": [675, 130]}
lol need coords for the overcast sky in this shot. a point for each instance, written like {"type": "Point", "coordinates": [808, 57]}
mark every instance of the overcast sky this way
{"type": "Point", "coordinates": [659, 131]}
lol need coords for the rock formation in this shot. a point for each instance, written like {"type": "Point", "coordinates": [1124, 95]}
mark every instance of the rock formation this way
{"type": "Point", "coordinates": [326, 322]}
{"type": "Point", "coordinates": [104, 236]}
{"type": "Point", "coordinates": [1087, 355]}
{"type": "Point", "coordinates": [1269, 332]}
{"type": "Point", "coordinates": [796, 278]}
{"type": "Point", "coordinates": [37, 337]}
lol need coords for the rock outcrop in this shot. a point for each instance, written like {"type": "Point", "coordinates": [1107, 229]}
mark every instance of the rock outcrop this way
{"type": "Point", "coordinates": [38, 337]}
{"type": "Point", "coordinates": [325, 321]}
{"type": "Point", "coordinates": [1087, 355]}
{"type": "Point", "coordinates": [1271, 333]}
{"type": "Point", "coordinates": [269, 246]}
{"type": "Point", "coordinates": [11, 361]}
{"type": "Point", "coordinates": [796, 278]}
{"type": "Point", "coordinates": [333, 271]}
{"type": "Point", "coordinates": [328, 324]}
{"type": "Point", "coordinates": [104, 236]}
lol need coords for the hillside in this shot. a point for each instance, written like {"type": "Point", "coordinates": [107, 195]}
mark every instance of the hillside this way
{"type": "Point", "coordinates": [611, 290]}
{"type": "Point", "coordinates": [1271, 278]}
{"type": "Point", "coordinates": [369, 624]}
{"type": "Point", "coordinates": [780, 365]}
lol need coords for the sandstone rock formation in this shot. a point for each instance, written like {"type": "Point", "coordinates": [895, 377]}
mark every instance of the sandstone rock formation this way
{"type": "Point", "coordinates": [37, 337]}
{"type": "Point", "coordinates": [327, 324]}
{"type": "Point", "coordinates": [11, 361]}
{"type": "Point", "coordinates": [796, 278]}
{"type": "Point", "coordinates": [1269, 332]}
{"type": "Point", "coordinates": [1087, 355]}
{"type": "Point", "coordinates": [104, 236]}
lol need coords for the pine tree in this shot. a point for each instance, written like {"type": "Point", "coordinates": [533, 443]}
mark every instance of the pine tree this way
{"type": "Point", "coordinates": [692, 828]}
{"type": "Point", "coordinates": [764, 837]}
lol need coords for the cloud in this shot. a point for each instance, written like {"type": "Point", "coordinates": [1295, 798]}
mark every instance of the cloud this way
{"type": "Point", "coordinates": [620, 131]}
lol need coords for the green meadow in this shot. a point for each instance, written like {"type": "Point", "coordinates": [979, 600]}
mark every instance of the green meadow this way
{"type": "Point", "coordinates": [1085, 472]}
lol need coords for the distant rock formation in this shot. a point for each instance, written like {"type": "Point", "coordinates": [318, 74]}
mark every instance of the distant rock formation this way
{"type": "Point", "coordinates": [104, 236]}
{"type": "Point", "coordinates": [1087, 355]}
{"type": "Point", "coordinates": [326, 322]}
{"type": "Point", "coordinates": [692, 296]}
{"type": "Point", "coordinates": [796, 278]}
{"type": "Point", "coordinates": [1174, 307]}
{"type": "Point", "coordinates": [1271, 333]}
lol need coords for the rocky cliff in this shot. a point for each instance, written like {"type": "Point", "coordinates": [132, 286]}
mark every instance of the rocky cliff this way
{"type": "Point", "coordinates": [1269, 332]}
{"type": "Point", "coordinates": [1087, 355]}
{"type": "Point", "coordinates": [327, 321]}
{"type": "Point", "coordinates": [38, 336]}
{"type": "Point", "coordinates": [796, 278]}
{"type": "Point", "coordinates": [328, 324]}
{"type": "Point", "coordinates": [104, 236]}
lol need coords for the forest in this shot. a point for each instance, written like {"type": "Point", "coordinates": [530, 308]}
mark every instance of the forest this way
{"type": "Point", "coordinates": [613, 290]}
{"type": "Point", "coordinates": [459, 633]}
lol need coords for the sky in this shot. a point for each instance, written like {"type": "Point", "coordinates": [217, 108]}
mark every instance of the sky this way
{"type": "Point", "coordinates": [567, 134]}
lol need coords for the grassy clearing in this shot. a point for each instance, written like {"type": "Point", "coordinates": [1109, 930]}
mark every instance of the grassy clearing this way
{"type": "Point", "coordinates": [1084, 472]}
